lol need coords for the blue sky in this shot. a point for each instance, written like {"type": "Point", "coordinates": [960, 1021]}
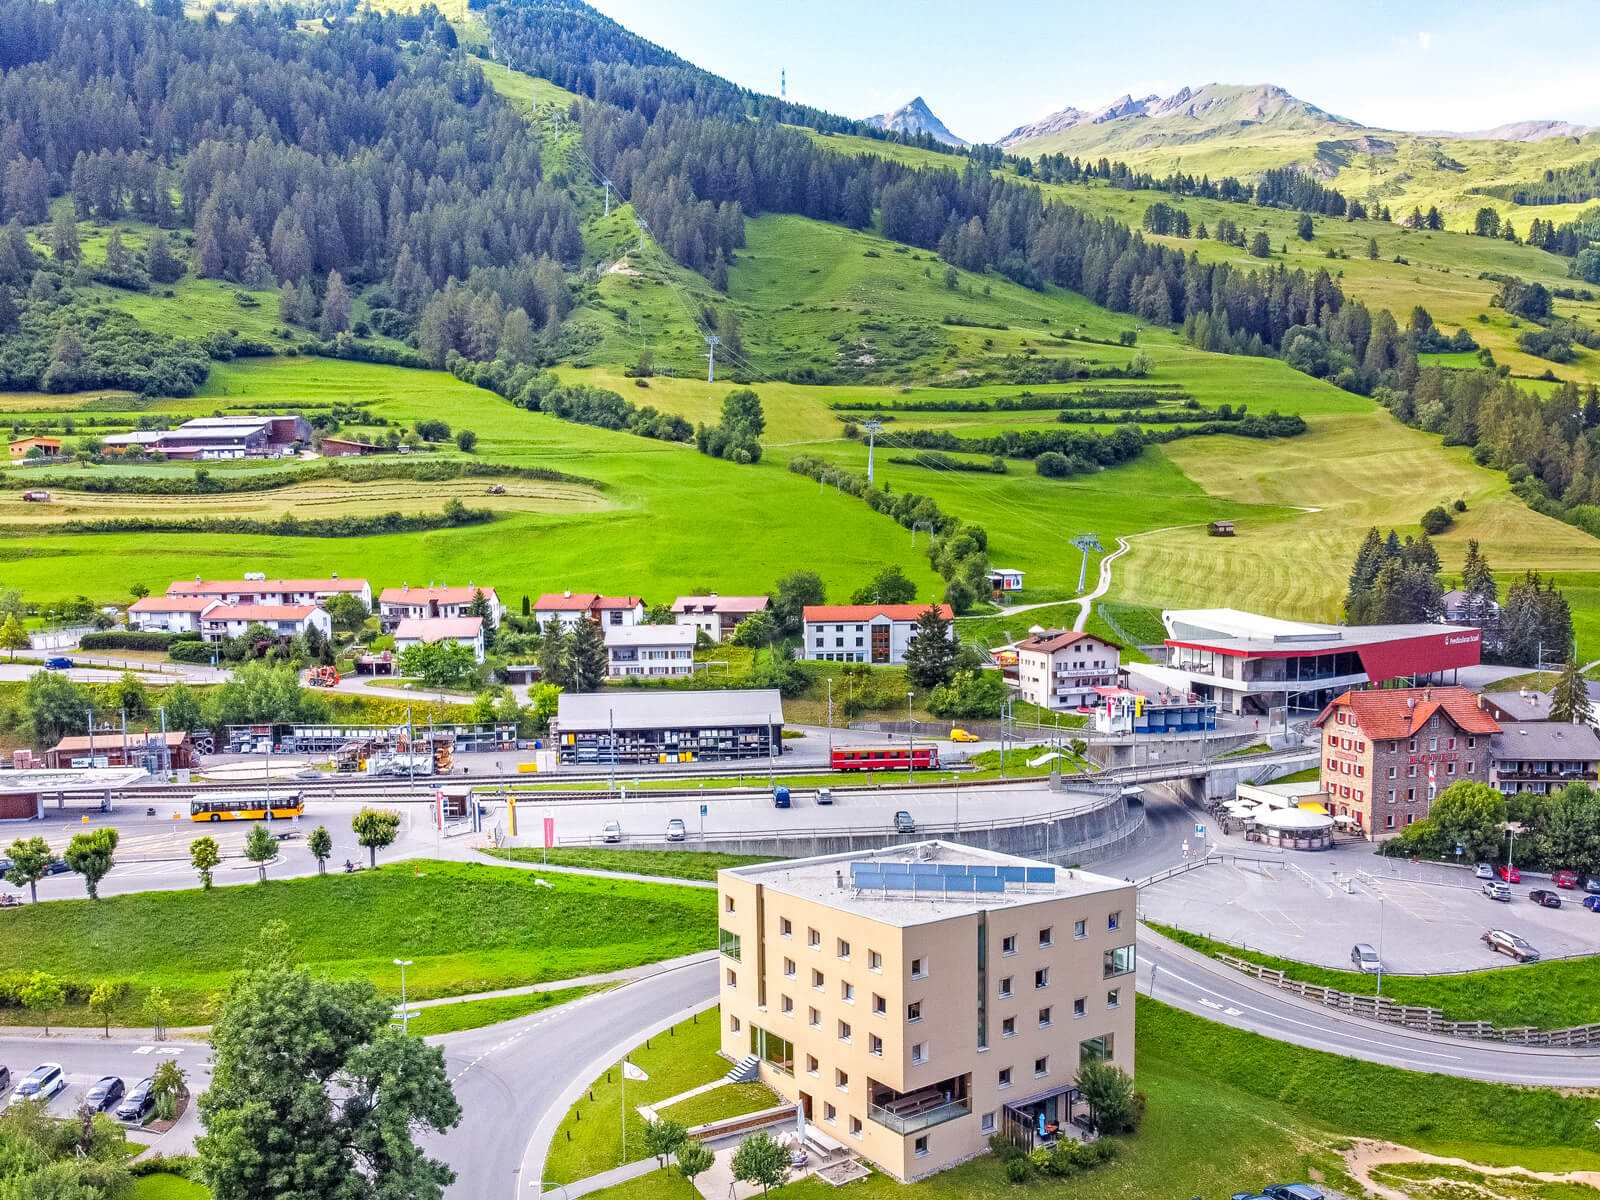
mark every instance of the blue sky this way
{"type": "Point", "coordinates": [985, 68]}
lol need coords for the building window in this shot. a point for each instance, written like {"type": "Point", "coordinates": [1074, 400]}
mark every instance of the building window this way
{"type": "Point", "coordinates": [1114, 998]}
{"type": "Point", "coordinates": [919, 968]}
{"type": "Point", "coordinates": [830, 1114]}
{"type": "Point", "coordinates": [914, 1011]}
{"type": "Point", "coordinates": [855, 1127]}
{"type": "Point", "coordinates": [843, 949]}
{"type": "Point", "coordinates": [986, 1123]}
{"type": "Point", "coordinates": [733, 1024]}
{"type": "Point", "coordinates": [1472, 768]}
{"type": "Point", "coordinates": [1008, 1027]}
{"type": "Point", "coordinates": [1041, 977]}
{"type": "Point", "coordinates": [785, 927]}
{"type": "Point", "coordinates": [1005, 987]}
{"type": "Point", "coordinates": [1003, 1079]}
{"type": "Point", "coordinates": [814, 939]}
{"type": "Point", "coordinates": [875, 1045]}
{"type": "Point", "coordinates": [847, 992]}
{"type": "Point", "coordinates": [1095, 1049]}
{"type": "Point", "coordinates": [1008, 945]}
{"type": "Point", "coordinates": [813, 1018]}
{"type": "Point", "coordinates": [1041, 1066]}
{"type": "Point", "coordinates": [919, 1053]}
{"type": "Point", "coordinates": [1388, 821]}
{"type": "Point", "coordinates": [727, 904]}
{"type": "Point", "coordinates": [1119, 961]}
{"type": "Point", "coordinates": [786, 1006]}
{"type": "Point", "coordinates": [733, 980]}
{"type": "Point", "coordinates": [1045, 936]}
{"type": "Point", "coordinates": [788, 968]}
{"type": "Point", "coordinates": [1044, 1018]}
{"type": "Point", "coordinates": [874, 961]}
{"type": "Point", "coordinates": [920, 1146]}
{"type": "Point", "coordinates": [1391, 772]}
{"type": "Point", "coordinates": [1114, 920]}
{"type": "Point", "coordinates": [728, 943]}
{"type": "Point", "coordinates": [817, 982]}
{"type": "Point", "coordinates": [841, 1081]}
{"type": "Point", "coordinates": [1080, 929]}
{"type": "Point", "coordinates": [811, 1065]}
{"type": "Point", "coordinates": [844, 1031]}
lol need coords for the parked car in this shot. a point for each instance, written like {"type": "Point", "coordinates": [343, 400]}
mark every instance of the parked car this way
{"type": "Point", "coordinates": [1564, 879]}
{"type": "Point", "coordinates": [676, 832]}
{"type": "Point", "coordinates": [5, 865]}
{"type": "Point", "coordinates": [1485, 871]}
{"type": "Point", "coordinates": [1365, 958]}
{"type": "Point", "coordinates": [1545, 899]}
{"type": "Point", "coordinates": [1291, 1191]}
{"type": "Point", "coordinates": [1510, 874]}
{"type": "Point", "coordinates": [1592, 903]}
{"type": "Point", "coordinates": [903, 822]}
{"type": "Point", "coordinates": [961, 735]}
{"type": "Point", "coordinates": [1496, 890]}
{"type": "Point", "coordinates": [41, 1083]}
{"type": "Point", "coordinates": [824, 795]}
{"type": "Point", "coordinates": [5, 1078]}
{"type": "Point", "coordinates": [1502, 942]}
{"type": "Point", "coordinates": [104, 1093]}
{"type": "Point", "coordinates": [139, 1102]}
{"type": "Point", "coordinates": [780, 797]}
{"type": "Point", "coordinates": [58, 662]}
{"type": "Point", "coordinates": [57, 866]}
{"type": "Point", "coordinates": [611, 831]}
{"type": "Point", "coordinates": [1591, 884]}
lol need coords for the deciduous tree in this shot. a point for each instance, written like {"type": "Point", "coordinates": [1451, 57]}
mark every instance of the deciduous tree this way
{"type": "Point", "coordinates": [30, 859]}
{"type": "Point", "coordinates": [43, 994]}
{"type": "Point", "coordinates": [92, 855]}
{"type": "Point", "coordinates": [762, 1160]}
{"type": "Point", "coordinates": [260, 847]}
{"type": "Point", "coordinates": [376, 829]}
{"type": "Point", "coordinates": [1108, 1090]}
{"type": "Point", "coordinates": [104, 998]}
{"type": "Point", "coordinates": [320, 843]}
{"type": "Point", "coordinates": [203, 857]}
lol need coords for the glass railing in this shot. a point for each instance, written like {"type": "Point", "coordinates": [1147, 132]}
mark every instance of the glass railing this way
{"type": "Point", "coordinates": [922, 1120]}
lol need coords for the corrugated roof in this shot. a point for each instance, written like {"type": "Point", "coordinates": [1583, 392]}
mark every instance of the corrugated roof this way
{"type": "Point", "coordinates": [1401, 712]}
{"type": "Point", "coordinates": [436, 629]}
{"type": "Point", "coordinates": [113, 741]}
{"type": "Point", "coordinates": [668, 709]}
{"type": "Point", "coordinates": [866, 612]}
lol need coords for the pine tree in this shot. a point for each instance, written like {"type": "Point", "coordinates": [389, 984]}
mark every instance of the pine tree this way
{"type": "Point", "coordinates": [336, 307]}
{"type": "Point", "coordinates": [64, 238]}
{"type": "Point", "coordinates": [159, 260]}
{"type": "Point", "coordinates": [553, 657]}
{"type": "Point", "coordinates": [590, 661]}
{"type": "Point", "coordinates": [930, 651]}
{"type": "Point", "coordinates": [1569, 700]}
{"type": "Point", "coordinates": [1358, 596]}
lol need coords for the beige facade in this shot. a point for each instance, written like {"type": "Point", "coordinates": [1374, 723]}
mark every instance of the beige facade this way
{"type": "Point", "coordinates": [912, 1025]}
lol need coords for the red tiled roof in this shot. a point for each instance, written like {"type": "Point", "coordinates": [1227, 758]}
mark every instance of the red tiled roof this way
{"type": "Point", "coordinates": [443, 595]}
{"type": "Point", "coordinates": [173, 604]}
{"type": "Point", "coordinates": [261, 612]}
{"type": "Point", "coordinates": [1401, 712]}
{"type": "Point", "coordinates": [556, 602]}
{"type": "Point", "coordinates": [1050, 642]}
{"type": "Point", "coordinates": [209, 587]}
{"type": "Point", "coordinates": [606, 602]}
{"type": "Point", "coordinates": [865, 612]}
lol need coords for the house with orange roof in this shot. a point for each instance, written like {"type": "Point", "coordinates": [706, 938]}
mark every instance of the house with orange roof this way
{"type": "Point", "coordinates": [864, 633]}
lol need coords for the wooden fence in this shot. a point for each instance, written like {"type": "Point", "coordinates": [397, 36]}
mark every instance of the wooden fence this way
{"type": "Point", "coordinates": [1414, 1016]}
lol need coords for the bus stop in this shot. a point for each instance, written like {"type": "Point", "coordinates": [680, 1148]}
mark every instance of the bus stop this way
{"type": "Point", "coordinates": [24, 793]}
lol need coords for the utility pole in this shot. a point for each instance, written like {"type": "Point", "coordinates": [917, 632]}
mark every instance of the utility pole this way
{"type": "Point", "coordinates": [872, 427]}
{"type": "Point", "coordinates": [644, 228]}
{"type": "Point", "coordinates": [911, 743]}
{"type": "Point", "coordinates": [830, 721]}
{"type": "Point", "coordinates": [713, 341]}
{"type": "Point", "coordinates": [606, 183]}
{"type": "Point", "coordinates": [1086, 542]}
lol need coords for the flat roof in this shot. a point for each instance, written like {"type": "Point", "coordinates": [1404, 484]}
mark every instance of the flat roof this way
{"type": "Point", "coordinates": [1326, 639]}
{"type": "Point", "coordinates": [75, 779]}
{"type": "Point", "coordinates": [651, 635]}
{"type": "Point", "coordinates": [818, 879]}
{"type": "Point", "coordinates": [669, 708]}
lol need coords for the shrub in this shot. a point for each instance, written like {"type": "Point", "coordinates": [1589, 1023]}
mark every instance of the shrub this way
{"type": "Point", "coordinates": [126, 640]}
{"type": "Point", "coordinates": [1435, 521]}
{"type": "Point", "coordinates": [1018, 1170]}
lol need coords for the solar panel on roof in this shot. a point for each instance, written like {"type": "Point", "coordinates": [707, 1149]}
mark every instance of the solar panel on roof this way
{"type": "Point", "coordinates": [1041, 874]}
{"type": "Point", "coordinates": [989, 883]}
{"type": "Point", "coordinates": [959, 883]}
{"type": "Point", "coordinates": [981, 872]}
{"type": "Point", "coordinates": [926, 869]}
{"type": "Point", "coordinates": [1013, 874]}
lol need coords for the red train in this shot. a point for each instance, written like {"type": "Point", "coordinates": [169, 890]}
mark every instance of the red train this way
{"type": "Point", "coordinates": [884, 758]}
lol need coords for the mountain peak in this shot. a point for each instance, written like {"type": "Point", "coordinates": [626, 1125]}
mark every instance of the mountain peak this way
{"type": "Point", "coordinates": [916, 117]}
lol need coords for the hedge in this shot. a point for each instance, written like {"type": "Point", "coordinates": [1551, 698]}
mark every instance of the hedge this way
{"type": "Point", "coordinates": [125, 640]}
{"type": "Point", "coordinates": [204, 483]}
{"type": "Point", "coordinates": [454, 515]}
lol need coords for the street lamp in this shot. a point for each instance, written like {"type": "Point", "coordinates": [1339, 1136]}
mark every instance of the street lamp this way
{"type": "Point", "coordinates": [911, 744]}
{"type": "Point", "coordinates": [405, 1013]}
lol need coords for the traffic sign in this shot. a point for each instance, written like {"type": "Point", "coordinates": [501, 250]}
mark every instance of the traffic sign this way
{"type": "Point", "coordinates": [702, 810]}
{"type": "Point", "coordinates": [1199, 831]}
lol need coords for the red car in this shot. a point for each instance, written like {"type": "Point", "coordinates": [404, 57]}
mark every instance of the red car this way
{"type": "Point", "coordinates": [1564, 879]}
{"type": "Point", "coordinates": [1510, 874]}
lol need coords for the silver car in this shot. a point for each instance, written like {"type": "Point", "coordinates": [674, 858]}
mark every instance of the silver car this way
{"type": "Point", "coordinates": [611, 831]}
{"type": "Point", "coordinates": [676, 832]}
{"type": "Point", "coordinates": [1365, 958]}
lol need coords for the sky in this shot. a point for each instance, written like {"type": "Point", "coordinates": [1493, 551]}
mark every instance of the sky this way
{"type": "Point", "coordinates": [986, 68]}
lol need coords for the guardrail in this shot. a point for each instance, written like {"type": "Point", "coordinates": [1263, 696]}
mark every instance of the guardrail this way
{"type": "Point", "coordinates": [1417, 1017]}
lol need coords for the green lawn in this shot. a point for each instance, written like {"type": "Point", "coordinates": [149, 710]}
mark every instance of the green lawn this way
{"type": "Point", "coordinates": [475, 1014]}
{"type": "Point", "coordinates": [1552, 995]}
{"type": "Point", "coordinates": [468, 927]}
{"type": "Point", "coordinates": [1229, 1110]}
{"type": "Point", "coordinates": [729, 1100]}
{"type": "Point", "coordinates": [167, 1187]}
{"type": "Point", "coordinates": [677, 864]}
{"type": "Point", "coordinates": [684, 1058]}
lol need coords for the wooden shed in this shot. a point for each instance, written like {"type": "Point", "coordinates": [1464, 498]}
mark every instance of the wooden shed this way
{"type": "Point", "coordinates": [1220, 529]}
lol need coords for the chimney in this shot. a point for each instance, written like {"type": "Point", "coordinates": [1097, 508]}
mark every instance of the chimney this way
{"type": "Point", "coordinates": [838, 880]}
{"type": "Point", "coordinates": [1480, 701]}
{"type": "Point", "coordinates": [567, 595]}
{"type": "Point", "coordinates": [336, 575]}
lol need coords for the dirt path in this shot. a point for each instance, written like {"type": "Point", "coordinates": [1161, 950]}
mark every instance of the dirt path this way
{"type": "Point", "coordinates": [1364, 1156]}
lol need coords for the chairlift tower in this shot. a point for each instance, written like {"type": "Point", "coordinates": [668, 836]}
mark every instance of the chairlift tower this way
{"type": "Point", "coordinates": [644, 228]}
{"type": "Point", "coordinates": [713, 341]}
{"type": "Point", "coordinates": [1086, 542]}
{"type": "Point", "coordinates": [606, 183]}
{"type": "Point", "coordinates": [872, 427]}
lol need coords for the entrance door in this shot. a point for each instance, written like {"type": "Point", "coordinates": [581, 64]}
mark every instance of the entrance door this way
{"type": "Point", "coordinates": [880, 643]}
{"type": "Point", "coordinates": [805, 1104]}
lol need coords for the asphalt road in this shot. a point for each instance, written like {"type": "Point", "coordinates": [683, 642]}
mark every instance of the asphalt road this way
{"type": "Point", "coordinates": [516, 1080]}
{"type": "Point", "coordinates": [84, 1058]}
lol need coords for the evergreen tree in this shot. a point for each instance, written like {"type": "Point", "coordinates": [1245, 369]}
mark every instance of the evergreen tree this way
{"type": "Point", "coordinates": [336, 306]}
{"type": "Point", "coordinates": [554, 656]}
{"type": "Point", "coordinates": [590, 662]}
{"type": "Point", "coordinates": [1358, 595]}
{"type": "Point", "coordinates": [931, 651]}
{"type": "Point", "coordinates": [162, 265]}
{"type": "Point", "coordinates": [1304, 228]}
{"type": "Point", "coordinates": [1372, 249]}
{"type": "Point", "coordinates": [1569, 700]}
{"type": "Point", "coordinates": [64, 238]}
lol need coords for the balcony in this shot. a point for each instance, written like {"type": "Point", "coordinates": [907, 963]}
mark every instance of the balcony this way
{"type": "Point", "coordinates": [912, 1112]}
{"type": "Point", "coordinates": [922, 1119]}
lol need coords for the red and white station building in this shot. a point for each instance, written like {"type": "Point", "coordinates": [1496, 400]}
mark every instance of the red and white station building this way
{"type": "Point", "coordinates": [1249, 664]}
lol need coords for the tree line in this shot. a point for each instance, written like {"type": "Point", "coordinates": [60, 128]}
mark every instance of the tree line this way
{"type": "Point", "coordinates": [1277, 187]}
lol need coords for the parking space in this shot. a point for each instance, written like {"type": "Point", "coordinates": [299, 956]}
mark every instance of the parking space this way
{"type": "Point", "coordinates": [84, 1062]}
{"type": "Point", "coordinates": [1423, 921]}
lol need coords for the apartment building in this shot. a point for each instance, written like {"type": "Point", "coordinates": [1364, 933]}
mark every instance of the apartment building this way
{"type": "Point", "coordinates": [1543, 756]}
{"type": "Point", "coordinates": [864, 633]}
{"type": "Point", "coordinates": [650, 651]}
{"type": "Point", "coordinates": [258, 589]}
{"type": "Point", "coordinates": [717, 616]}
{"type": "Point", "coordinates": [916, 1000]}
{"type": "Point", "coordinates": [1061, 668]}
{"type": "Point", "coordinates": [1386, 753]}
{"type": "Point", "coordinates": [430, 603]}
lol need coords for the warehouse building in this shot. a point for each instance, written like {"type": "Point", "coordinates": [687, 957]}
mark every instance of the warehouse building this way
{"type": "Point", "coordinates": [668, 726]}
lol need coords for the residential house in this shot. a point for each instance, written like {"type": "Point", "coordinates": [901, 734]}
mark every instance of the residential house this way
{"type": "Point", "coordinates": [1059, 668]}
{"type": "Point", "coordinates": [568, 608]}
{"type": "Point", "coordinates": [1386, 753]}
{"type": "Point", "coordinates": [650, 651]}
{"type": "Point", "coordinates": [717, 616]}
{"type": "Point", "coordinates": [916, 1002]}
{"type": "Point", "coordinates": [1524, 705]}
{"type": "Point", "coordinates": [396, 604]}
{"type": "Point", "coordinates": [1543, 756]}
{"type": "Point", "coordinates": [261, 590]}
{"type": "Point", "coordinates": [464, 631]}
{"type": "Point", "coordinates": [169, 614]}
{"type": "Point", "coordinates": [1463, 608]}
{"type": "Point", "coordinates": [863, 633]}
{"type": "Point", "coordinates": [285, 620]}
{"type": "Point", "coordinates": [46, 446]}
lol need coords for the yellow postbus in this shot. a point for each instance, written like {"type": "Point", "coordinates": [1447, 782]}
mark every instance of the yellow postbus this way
{"type": "Point", "coordinates": [246, 806]}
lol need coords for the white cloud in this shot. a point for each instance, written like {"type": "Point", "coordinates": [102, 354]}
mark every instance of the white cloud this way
{"type": "Point", "coordinates": [1425, 42]}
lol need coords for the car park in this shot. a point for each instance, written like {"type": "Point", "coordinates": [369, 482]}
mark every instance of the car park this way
{"type": "Point", "coordinates": [104, 1093]}
{"type": "Point", "coordinates": [139, 1102]}
{"type": "Point", "coordinates": [1485, 871]}
{"type": "Point", "coordinates": [1544, 898]}
{"type": "Point", "coordinates": [676, 830]}
{"type": "Point", "coordinates": [1504, 942]}
{"type": "Point", "coordinates": [1364, 958]}
{"type": "Point", "coordinates": [1292, 1191]}
{"type": "Point", "coordinates": [903, 822]}
{"type": "Point", "coordinates": [824, 795]}
{"type": "Point", "coordinates": [1510, 874]}
{"type": "Point", "coordinates": [611, 831]}
{"type": "Point", "coordinates": [41, 1083]}
{"type": "Point", "coordinates": [1564, 879]}
{"type": "Point", "coordinates": [1496, 890]}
